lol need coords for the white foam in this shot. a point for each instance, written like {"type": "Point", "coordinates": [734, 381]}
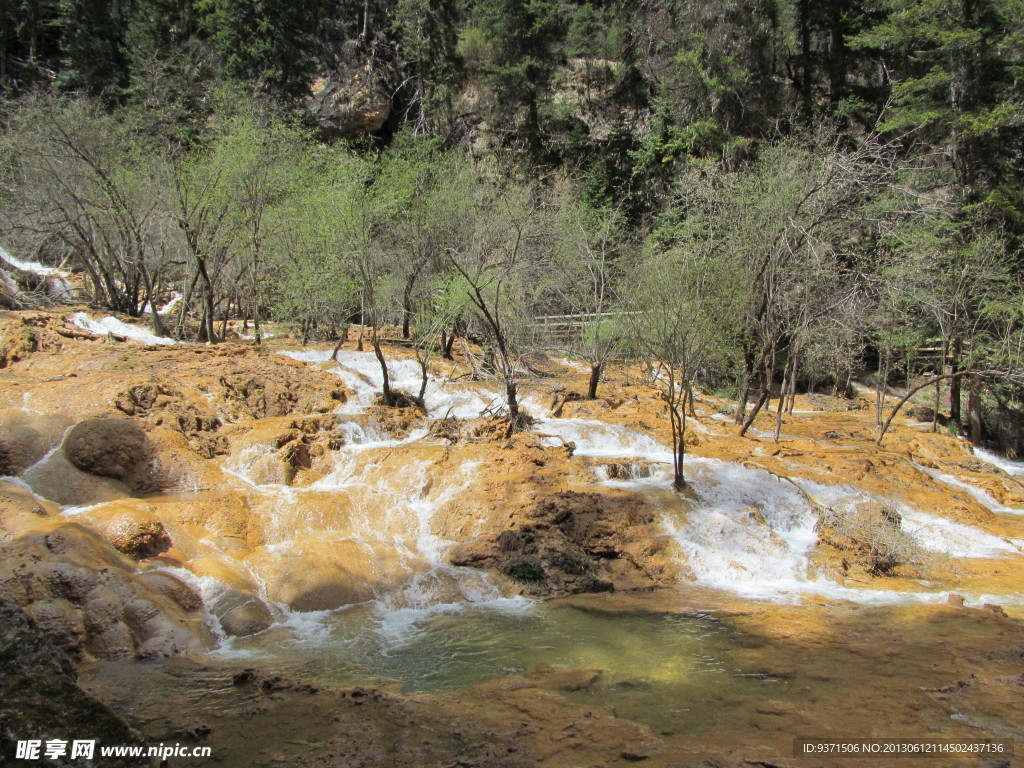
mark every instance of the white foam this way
{"type": "Point", "coordinates": [573, 365]}
{"type": "Point", "coordinates": [170, 305]}
{"type": "Point", "coordinates": [258, 465]}
{"type": "Point", "coordinates": [935, 533]}
{"type": "Point", "coordinates": [752, 533]}
{"type": "Point", "coordinates": [80, 509]}
{"type": "Point", "coordinates": [264, 335]}
{"type": "Point", "coordinates": [983, 599]}
{"type": "Point", "coordinates": [9, 284]}
{"type": "Point", "coordinates": [402, 626]}
{"type": "Point", "coordinates": [31, 266]}
{"type": "Point", "coordinates": [110, 324]}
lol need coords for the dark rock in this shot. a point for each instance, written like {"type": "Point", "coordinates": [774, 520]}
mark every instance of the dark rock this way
{"type": "Point", "coordinates": [40, 698]}
{"type": "Point", "coordinates": [241, 615]}
{"type": "Point", "coordinates": [25, 438]}
{"type": "Point", "coordinates": [524, 569]}
{"type": "Point", "coordinates": [347, 103]}
{"type": "Point", "coordinates": [86, 597]}
{"type": "Point", "coordinates": [106, 447]}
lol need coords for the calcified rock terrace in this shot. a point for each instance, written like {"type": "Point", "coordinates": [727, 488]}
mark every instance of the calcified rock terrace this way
{"type": "Point", "coordinates": [226, 508]}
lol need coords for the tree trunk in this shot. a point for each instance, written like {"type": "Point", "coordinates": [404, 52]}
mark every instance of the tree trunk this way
{"type": "Point", "coordinates": [425, 377]}
{"type": "Point", "coordinates": [837, 65]}
{"type": "Point", "coordinates": [447, 345]}
{"type": "Point", "coordinates": [954, 384]}
{"type": "Point", "coordinates": [765, 393]}
{"type": "Point", "coordinates": [782, 400]}
{"type": "Point", "coordinates": [791, 403]}
{"type": "Point", "coordinates": [342, 338]}
{"type": "Point", "coordinates": [804, 25]}
{"type": "Point", "coordinates": [595, 379]}
{"type": "Point", "coordinates": [882, 388]}
{"type": "Point", "coordinates": [911, 393]}
{"type": "Point", "coordinates": [938, 388]}
{"type": "Point", "coordinates": [186, 303]}
{"type": "Point", "coordinates": [511, 396]}
{"type": "Point", "coordinates": [224, 322]}
{"type": "Point", "coordinates": [407, 301]}
{"type": "Point", "coordinates": [677, 417]}
{"type": "Point", "coordinates": [158, 323]}
{"type": "Point", "coordinates": [211, 335]}
{"type": "Point", "coordinates": [744, 389]}
{"type": "Point", "coordinates": [386, 393]}
{"type": "Point", "coordinates": [767, 374]}
{"type": "Point", "coordinates": [974, 409]}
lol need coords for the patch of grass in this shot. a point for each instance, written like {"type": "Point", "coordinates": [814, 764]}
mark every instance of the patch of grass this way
{"type": "Point", "coordinates": [511, 541]}
{"type": "Point", "coordinates": [574, 565]}
{"type": "Point", "coordinates": [524, 569]}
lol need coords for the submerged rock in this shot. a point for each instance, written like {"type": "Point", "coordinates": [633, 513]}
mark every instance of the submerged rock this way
{"type": "Point", "coordinates": [241, 615]}
{"type": "Point", "coordinates": [26, 437]}
{"type": "Point", "coordinates": [59, 480]}
{"type": "Point", "coordinates": [20, 511]}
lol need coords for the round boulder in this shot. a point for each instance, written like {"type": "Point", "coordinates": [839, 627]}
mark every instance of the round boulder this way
{"type": "Point", "coordinates": [106, 447]}
{"type": "Point", "coordinates": [137, 535]}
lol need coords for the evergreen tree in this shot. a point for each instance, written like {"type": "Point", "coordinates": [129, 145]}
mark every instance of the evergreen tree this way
{"type": "Point", "coordinates": [953, 81]}
{"type": "Point", "coordinates": [266, 42]}
{"type": "Point", "coordinates": [93, 47]}
{"type": "Point", "coordinates": [523, 37]}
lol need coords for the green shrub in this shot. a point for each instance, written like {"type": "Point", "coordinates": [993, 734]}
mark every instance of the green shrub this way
{"type": "Point", "coordinates": [524, 569]}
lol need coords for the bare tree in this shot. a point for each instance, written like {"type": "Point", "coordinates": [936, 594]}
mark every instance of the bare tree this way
{"type": "Point", "coordinates": [500, 256]}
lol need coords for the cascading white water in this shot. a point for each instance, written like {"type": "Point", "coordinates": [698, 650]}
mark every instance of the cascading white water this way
{"type": "Point", "coordinates": [981, 496]}
{"type": "Point", "coordinates": [170, 305]}
{"type": "Point", "coordinates": [387, 513]}
{"type": "Point", "coordinates": [59, 284]}
{"type": "Point", "coordinates": [751, 532]}
{"type": "Point", "coordinates": [1015, 468]}
{"type": "Point", "coordinates": [110, 324]}
{"type": "Point", "coordinates": [374, 514]}
{"type": "Point", "coordinates": [601, 439]}
{"type": "Point", "coordinates": [362, 375]}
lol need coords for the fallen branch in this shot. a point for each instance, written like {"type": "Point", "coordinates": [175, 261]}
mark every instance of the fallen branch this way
{"type": "Point", "coordinates": [915, 390]}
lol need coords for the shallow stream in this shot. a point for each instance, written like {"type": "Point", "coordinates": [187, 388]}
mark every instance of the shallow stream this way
{"type": "Point", "coordinates": [652, 666]}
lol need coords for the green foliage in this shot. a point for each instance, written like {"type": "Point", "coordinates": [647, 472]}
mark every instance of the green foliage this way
{"type": "Point", "coordinates": [954, 81]}
{"type": "Point", "coordinates": [522, 36]}
{"type": "Point", "coordinates": [266, 42]}
{"type": "Point", "coordinates": [93, 46]}
{"type": "Point", "coordinates": [542, 157]}
{"type": "Point", "coordinates": [527, 570]}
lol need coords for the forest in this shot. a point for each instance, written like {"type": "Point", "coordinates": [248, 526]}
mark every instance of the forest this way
{"type": "Point", "coordinates": [753, 198]}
